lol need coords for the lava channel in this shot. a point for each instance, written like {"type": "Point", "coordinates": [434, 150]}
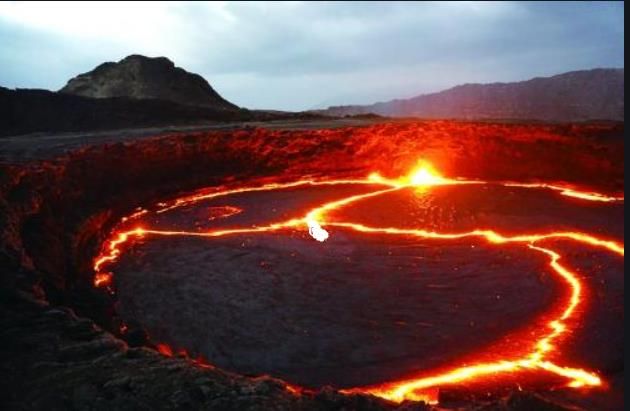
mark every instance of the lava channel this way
{"type": "Point", "coordinates": [544, 351]}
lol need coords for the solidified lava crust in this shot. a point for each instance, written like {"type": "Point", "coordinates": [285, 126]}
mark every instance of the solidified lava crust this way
{"type": "Point", "coordinates": [59, 333]}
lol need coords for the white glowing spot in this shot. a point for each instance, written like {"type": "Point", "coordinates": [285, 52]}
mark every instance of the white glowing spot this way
{"type": "Point", "coordinates": [316, 231]}
{"type": "Point", "coordinates": [426, 176]}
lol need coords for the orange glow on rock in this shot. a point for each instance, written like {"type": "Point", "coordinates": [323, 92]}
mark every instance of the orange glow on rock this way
{"type": "Point", "coordinates": [215, 213]}
{"type": "Point", "coordinates": [165, 349]}
{"type": "Point", "coordinates": [423, 387]}
{"type": "Point", "coordinates": [103, 279]}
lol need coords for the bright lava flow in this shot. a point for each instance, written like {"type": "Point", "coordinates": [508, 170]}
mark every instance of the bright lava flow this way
{"type": "Point", "coordinates": [423, 386]}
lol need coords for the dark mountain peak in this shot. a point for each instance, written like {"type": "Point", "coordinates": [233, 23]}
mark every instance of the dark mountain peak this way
{"type": "Point", "coordinates": [142, 77]}
{"type": "Point", "coordinates": [164, 62]}
{"type": "Point", "coordinates": [140, 57]}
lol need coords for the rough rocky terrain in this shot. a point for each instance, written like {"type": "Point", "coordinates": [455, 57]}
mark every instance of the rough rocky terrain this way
{"type": "Point", "coordinates": [58, 199]}
{"type": "Point", "coordinates": [31, 111]}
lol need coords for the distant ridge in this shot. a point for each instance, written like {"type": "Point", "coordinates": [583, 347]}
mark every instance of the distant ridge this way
{"type": "Point", "coordinates": [595, 94]}
{"type": "Point", "coordinates": [141, 77]}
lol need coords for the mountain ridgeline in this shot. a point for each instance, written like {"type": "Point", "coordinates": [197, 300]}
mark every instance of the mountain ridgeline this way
{"type": "Point", "coordinates": [141, 91]}
{"type": "Point", "coordinates": [574, 96]}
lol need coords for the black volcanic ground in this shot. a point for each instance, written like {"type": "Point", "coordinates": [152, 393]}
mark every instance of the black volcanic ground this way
{"type": "Point", "coordinates": [366, 308]}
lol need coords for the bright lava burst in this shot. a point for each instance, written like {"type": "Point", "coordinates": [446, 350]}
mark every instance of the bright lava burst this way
{"type": "Point", "coordinates": [424, 386]}
{"type": "Point", "coordinates": [425, 175]}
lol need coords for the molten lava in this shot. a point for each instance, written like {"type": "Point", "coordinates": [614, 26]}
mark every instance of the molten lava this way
{"type": "Point", "coordinates": [425, 175]}
{"type": "Point", "coordinates": [423, 386]}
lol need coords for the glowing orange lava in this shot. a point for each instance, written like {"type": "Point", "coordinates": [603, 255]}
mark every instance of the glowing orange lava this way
{"type": "Point", "coordinates": [569, 192]}
{"type": "Point", "coordinates": [216, 213]}
{"type": "Point", "coordinates": [423, 387]}
{"type": "Point", "coordinates": [425, 175]}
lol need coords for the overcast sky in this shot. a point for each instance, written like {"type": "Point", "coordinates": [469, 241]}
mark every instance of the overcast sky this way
{"type": "Point", "coordinates": [297, 55]}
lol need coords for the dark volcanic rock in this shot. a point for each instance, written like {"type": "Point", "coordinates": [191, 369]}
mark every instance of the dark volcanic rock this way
{"type": "Point", "coordinates": [574, 96]}
{"type": "Point", "coordinates": [526, 401]}
{"type": "Point", "coordinates": [60, 367]}
{"type": "Point", "coordinates": [35, 376]}
{"type": "Point", "coordinates": [143, 77]}
{"type": "Point", "coordinates": [30, 110]}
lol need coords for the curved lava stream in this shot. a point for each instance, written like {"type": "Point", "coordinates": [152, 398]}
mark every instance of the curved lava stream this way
{"type": "Point", "coordinates": [422, 387]}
